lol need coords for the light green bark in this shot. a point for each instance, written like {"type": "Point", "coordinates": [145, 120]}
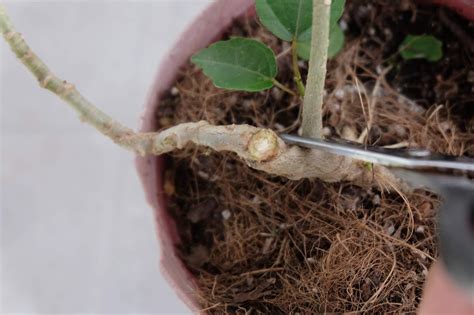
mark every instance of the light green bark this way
{"type": "Point", "coordinates": [313, 99]}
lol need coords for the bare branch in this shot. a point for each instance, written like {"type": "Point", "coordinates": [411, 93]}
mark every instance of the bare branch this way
{"type": "Point", "coordinates": [263, 150]}
{"type": "Point", "coordinates": [260, 148]}
{"type": "Point", "coordinates": [66, 91]}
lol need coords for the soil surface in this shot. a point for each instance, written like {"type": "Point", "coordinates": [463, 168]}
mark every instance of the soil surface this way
{"type": "Point", "coordinates": [260, 244]}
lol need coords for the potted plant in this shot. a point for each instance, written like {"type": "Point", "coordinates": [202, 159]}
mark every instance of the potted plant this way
{"type": "Point", "coordinates": [298, 231]}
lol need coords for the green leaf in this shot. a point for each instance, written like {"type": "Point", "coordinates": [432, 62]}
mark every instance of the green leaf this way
{"type": "Point", "coordinates": [287, 19]}
{"type": "Point", "coordinates": [238, 64]}
{"type": "Point", "coordinates": [336, 35]}
{"type": "Point", "coordinates": [304, 50]}
{"type": "Point", "coordinates": [337, 9]}
{"type": "Point", "coordinates": [421, 47]}
{"type": "Point", "coordinates": [336, 43]}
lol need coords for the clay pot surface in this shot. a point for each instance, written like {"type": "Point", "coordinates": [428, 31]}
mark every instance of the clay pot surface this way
{"type": "Point", "coordinates": [205, 29]}
{"type": "Point", "coordinates": [463, 7]}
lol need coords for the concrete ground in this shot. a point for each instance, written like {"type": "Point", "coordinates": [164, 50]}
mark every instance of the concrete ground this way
{"type": "Point", "coordinates": [76, 233]}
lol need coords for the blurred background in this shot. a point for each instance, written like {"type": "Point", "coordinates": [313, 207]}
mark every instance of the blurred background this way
{"type": "Point", "coordinates": [76, 233]}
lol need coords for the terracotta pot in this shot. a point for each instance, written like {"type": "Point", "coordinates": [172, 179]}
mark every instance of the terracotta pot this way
{"type": "Point", "coordinates": [463, 7]}
{"type": "Point", "coordinates": [205, 30]}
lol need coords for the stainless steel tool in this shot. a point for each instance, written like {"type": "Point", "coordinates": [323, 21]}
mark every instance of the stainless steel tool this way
{"type": "Point", "coordinates": [447, 176]}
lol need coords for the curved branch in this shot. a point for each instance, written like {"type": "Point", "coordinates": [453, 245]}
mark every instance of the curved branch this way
{"type": "Point", "coordinates": [66, 91]}
{"type": "Point", "coordinates": [263, 150]}
{"type": "Point", "coordinates": [260, 148]}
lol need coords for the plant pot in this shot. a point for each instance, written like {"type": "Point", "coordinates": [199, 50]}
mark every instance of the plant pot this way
{"type": "Point", "coordinates": [205, 30]}
{"type": "Point", "coordinates": [463, 7]}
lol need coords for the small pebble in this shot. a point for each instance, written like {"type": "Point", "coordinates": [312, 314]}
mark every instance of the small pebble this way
{"type": "Point", "coordinates": [226, 214]}
{"type": "Point", "coordinates": [339, 93]}
{"type": "Point", "coordinates": [326, 131]}
{"type": "Point", "coordinates": [343, 25]}
{"type": "Point", "coordinates": [371, 31]}
{"type": "Point", "coordinates": [174, 91]}
{"type": "Point", "coordinates": [390, 230]}
{"type": "Point", "coordinates": [277, 93]}
{"type": "Point", "coordinates": [420, 229]}
{"type": "Point", "coordinates": [311, 260]}
{"type": "Point", "coordinates": [376, 200]}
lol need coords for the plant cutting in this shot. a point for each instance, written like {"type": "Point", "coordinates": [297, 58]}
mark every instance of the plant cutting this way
{"type": "Point", "coordinates": [260, 148]}
{"type": "Point", "coordinates": [279, 183]}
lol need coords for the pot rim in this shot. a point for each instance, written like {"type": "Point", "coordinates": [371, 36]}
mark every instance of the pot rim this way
{"type": "Point", "coordinates": [206, 28]}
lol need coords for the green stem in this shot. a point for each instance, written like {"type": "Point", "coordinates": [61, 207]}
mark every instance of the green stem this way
{"type": "Point", "coordinates": [296, 68]}
{"type": "Point", "coordinates": [284, 88]}
{"type": "Point", "coordinates": [313, 100]}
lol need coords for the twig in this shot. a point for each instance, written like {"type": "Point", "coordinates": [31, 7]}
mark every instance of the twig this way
{"type": "Point", "coordinates": [313, 99]}
{"type": "Point", "coordinates": [260, 148]}
{"type": "Point", "coordinates": [233, 138]}
{"type": "Point", "coordinates": [384, 283]}
{"type": "Point", "coordinates": [283, 87]}
{"type": "Point", "coordinates": [66, 91]}
{"type": "Point", "coordinates": [296, 69]}
{"type": "Point", "coordinates": [400, 242]}
{"type": "Point", "coordinates": [284, 53]}
{"type": "Point", "coordinates": [256, 272]}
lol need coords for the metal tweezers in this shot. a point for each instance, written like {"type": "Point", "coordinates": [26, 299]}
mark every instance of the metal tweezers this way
{"type": "Point", "coordinates": [445, 175]}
